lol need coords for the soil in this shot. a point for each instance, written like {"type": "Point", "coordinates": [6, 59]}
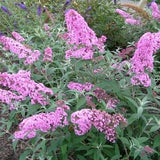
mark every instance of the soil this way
{"type": "Point", "coordinates": [6, 149]}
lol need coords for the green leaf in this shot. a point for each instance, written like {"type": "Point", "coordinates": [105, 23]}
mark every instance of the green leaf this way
{"type": "Point", "coordinates": [81, 157]}
{"type": "Point", "coordinates": [135, 142]}
{"type": "Point", "coordinates": [14, 144]}
{"type": "Point", "coordinates": [116, 157]}
{"type": "Point", "coordinates": [136, 153]}
{"type": "Point", "coordinates": [64, 151]}
{"type": "Point", "coordinates": [133, 118]}
{"type": "Point", "coordinates": [142, 139]}
{"type": "Point", "coordinates": [37, 77]}
{"type": "Point", "coordinates": [2, 133]}
{"type": "Point", "coordinates": [156, 141]}
{"type": "Point", "coordinates": [154, 128]}
{"type": "Point", "coordinates": [9, 124]}
{"type": "Point", "coordinates": [139, 112]}
{"type": "Point", "coordinates": [40, 145]}
{"type": "Point", "coordinates": [50, 71]}
{"type": "Point", "coordinates": [96, 155]}
{"type": "Point", "coordinates": [132, 103]}
{"type": "Point", "coordinates": [117, 152]}
{"type": "Point", "coordinates": [81, 101]}
{"type": "Point", "coordinates": [24, 154]}
{"type": "Point", "coordinates": [125, 141]}
{"type": "Point", "coordinates": [107, 146]}
{"type": "Point", "coordinates": [90, 152]}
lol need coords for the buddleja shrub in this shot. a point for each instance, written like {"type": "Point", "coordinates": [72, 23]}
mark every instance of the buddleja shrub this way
{"type": "Point", "coordinates": [69, 98]}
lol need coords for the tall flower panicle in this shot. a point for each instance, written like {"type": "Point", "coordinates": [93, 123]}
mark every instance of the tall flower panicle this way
{"type": "Point", "coordinates": [128, 18]}
{"type": "Point", "coordinates": [41, 122]}
{"type": "Point", "coordinates": [123, 13]}
{"type": "Point", "coordinates": [81, 36]}
{"type": "Point", "coordinates": [155, 11]}
{"type": "Point", "coordinates": [23, 85]}
{"type": "Point", "coordinates": [39, 10]}
{"type": "Point", "coordinates": [15, 47]}
{"type": "Point", "coordinates": [21, 5]}
{"type": "Point", "coordinates": [86, 118]}
{"type": "Point", "coordinates": [88, 9]}
{"type": "Point", "coordinates": [115, 2]}
{"type": "Point", "coordinates": [132, 21]}
{"type": "Point", "coordinates": [156, 41]}
{"type": "Point", "coordinates": [19, 49]}
{"type": "Point", "coordinates": [67, 2]}
{"type": "Point", "coordinates": [18, 37]}
{"type": "Point", "coordinates": [142, 60]}
{"type": "Point", "coordinates": [6, 10]}
{"type": "Point", "coordinates": [48, 55]}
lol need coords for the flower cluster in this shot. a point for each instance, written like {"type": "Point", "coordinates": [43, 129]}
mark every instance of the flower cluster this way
{"type": "Point", "coordinates": [102, 121]}
{"type": "Point", "coordinates": [81, 36]}
{"type": "Point", "coordinates": [18, 37]}
{"type": "Point", "coordinates": [97, 70]}
{"type": "Point", "coordinates": [19, 49]}
{"type": "Point", "coordinates": [143, 60]}
{"type": "Point", "coordinates": [128, 18]}
{"type": "Point", "coordinates": [42, 122]}
{"type": "Point", "coordinates": [156, 41]}
{"type": "Point", "coordinates": [102, 95]}
{"type": "Point", "coordinates": [125, 52]}
{"type": "Point", "coordinates": [146, 150]}
{"type": "Point", "coordinates": [46, 27]}
{"type": "Point", "coordinates": [33, 57]}
{"type": "Point", "coordinates": [23, 85]}
{"type": "Point", "coordinates": [99, 93]}
{"type": "Point", "coordinates": [80, 87]}
{"type": "Point", "coordinates": [48, 54]}
{"type": "Point", "coordinates": [10, 98]}
{"type": "Point", "coordinates": [155, 11]}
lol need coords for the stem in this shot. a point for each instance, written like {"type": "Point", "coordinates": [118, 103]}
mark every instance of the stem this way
{"type": "Point", "coordinates": [125, 149]}
{"type": "Point", "coordinates": [145, 127]}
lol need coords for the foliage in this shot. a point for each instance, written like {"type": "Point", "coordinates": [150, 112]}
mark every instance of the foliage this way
{"type": "Point", "coordinates": [139, 139]}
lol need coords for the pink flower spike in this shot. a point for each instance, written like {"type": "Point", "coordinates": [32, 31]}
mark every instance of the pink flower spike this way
{"type": "Point", "coordinates": [155, 11]}
{"type": "Point", "coordinates": [48, 55]}
{"type": "Point", "coordinates": [43, 122]}
{"type": "Point", "coordinates": [18, 37]}
{"type": "Point", "coordinates": [123, 13]}
{"type": "Point", "coordinates": [81, 36]}
{"type": "Point", "coordinates": [132, 21]}
{"type": "Point", "coordinates": [24, 86]}
{"type": "Point", "coordinates": [102, 121]}
{"type": "Point", "coordinates": [148, 149]}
